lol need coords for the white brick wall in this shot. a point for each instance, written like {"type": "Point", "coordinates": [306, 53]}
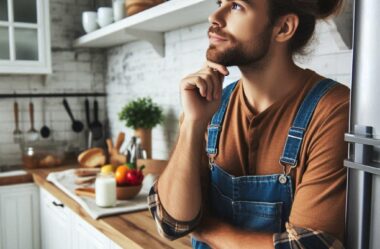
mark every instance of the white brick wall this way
{"type": "Point", "coordinates": [73, 71]}
{"type": "Point", "coordinates": [135, 70]}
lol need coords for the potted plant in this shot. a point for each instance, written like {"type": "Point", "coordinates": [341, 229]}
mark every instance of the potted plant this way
{"type": "Point", "coordinates": [142, 115]}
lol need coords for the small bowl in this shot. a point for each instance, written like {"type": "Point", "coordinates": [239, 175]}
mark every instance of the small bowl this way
{"type": "Point", "coordinates": [127, 192]}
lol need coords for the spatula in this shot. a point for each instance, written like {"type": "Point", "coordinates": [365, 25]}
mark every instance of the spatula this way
{"type": "Point", "coordinates": [17, 134]}
{"type": "Point", "coordinates": [32, 133]}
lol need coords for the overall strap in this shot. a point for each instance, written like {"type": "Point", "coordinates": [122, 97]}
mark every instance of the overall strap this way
{"type": "Point", "coordinates": [216, 122]}
{"type": "Point", "coordinates": [301, 121]}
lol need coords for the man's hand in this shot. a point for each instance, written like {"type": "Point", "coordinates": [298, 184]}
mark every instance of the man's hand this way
{"type": "Point", "coordinates": [201, 92]}
{"type": "Point", "coordinates": [206, 227]}
{"type": "Point", "coordinates": [220, 235]}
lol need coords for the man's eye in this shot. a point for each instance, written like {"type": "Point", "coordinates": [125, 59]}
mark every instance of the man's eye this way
{"type": "Point", "coordinates": [236, 6]}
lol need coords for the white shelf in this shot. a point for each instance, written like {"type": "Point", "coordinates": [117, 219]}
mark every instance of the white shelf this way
{"type": "Point", "coordinates": [150, 24]}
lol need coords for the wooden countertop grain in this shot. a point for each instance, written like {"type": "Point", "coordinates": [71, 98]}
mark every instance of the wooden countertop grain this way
{"type": "Point", "coordinates": [135, 230]}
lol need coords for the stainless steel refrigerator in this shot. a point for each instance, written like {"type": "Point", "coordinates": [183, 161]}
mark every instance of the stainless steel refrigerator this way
{"type": "Point", "coordinates": [363, 162]}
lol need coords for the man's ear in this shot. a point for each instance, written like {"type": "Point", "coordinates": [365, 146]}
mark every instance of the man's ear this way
{"type": "Point", "coordinates": [286, 27]}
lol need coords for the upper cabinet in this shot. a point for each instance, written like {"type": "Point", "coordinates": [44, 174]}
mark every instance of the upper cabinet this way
{"type": "Point", "coordinates": [150, 25]}
{"type": "Point", "coordinates": [25, 37]}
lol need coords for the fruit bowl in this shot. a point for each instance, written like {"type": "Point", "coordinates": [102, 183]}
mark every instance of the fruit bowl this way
{"type": "Point", "coordinates": [127, 192]}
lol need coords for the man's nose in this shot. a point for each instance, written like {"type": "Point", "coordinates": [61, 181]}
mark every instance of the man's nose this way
{"type": "Point", "coordinates": [217, 18]}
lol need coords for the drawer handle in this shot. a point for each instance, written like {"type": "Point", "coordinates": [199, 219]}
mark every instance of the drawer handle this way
{"type": "Point", "coordinates": [58, 204]}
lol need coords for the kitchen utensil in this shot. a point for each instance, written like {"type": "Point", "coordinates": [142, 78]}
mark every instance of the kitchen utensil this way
{"type": "Point", "coordinates": [105, 16]}
{"type": "Point", "coordinates": [119, 141]}
{"type": "Point", "coordinates": [77, 126]}
{"type": "Point", "coordinates": [87, 192]}
{"type": "Point", "coordinates": [96, 126]}
{"type": "Point", "coordinates": [17, 134]}
{"type": "Point", "coordinates": [32, 133]}
{"type": "Point", "coordinates": [89, 21]}
{"type": "Point", "coordinates": [90, 136]}
{"type": "Point", "coordinates": [116, 158]}
{"type": "Point", "coordinates": [45, 130]}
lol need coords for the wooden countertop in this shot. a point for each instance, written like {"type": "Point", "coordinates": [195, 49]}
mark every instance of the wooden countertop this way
{"type": "Point", "coordinates": [19, 179]}
{"type": "Point", "coordinates": [135, 230]}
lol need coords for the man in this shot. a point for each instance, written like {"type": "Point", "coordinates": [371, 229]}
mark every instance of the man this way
{"type": "Point", "coordinates": [272, 175]}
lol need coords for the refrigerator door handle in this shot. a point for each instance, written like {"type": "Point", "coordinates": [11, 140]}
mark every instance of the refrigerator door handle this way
{"type": "Point", "coordinates": [361, 139]}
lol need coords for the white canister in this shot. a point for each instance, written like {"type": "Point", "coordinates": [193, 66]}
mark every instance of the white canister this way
{"type": "Point", "coordinates": [89, 21]}
{"type": "Point", "coordinates": [105, 190]}
{"type": "Point", "coordinates": [118, 10]}
{"type": "Point", "coordinates": [105, 16]}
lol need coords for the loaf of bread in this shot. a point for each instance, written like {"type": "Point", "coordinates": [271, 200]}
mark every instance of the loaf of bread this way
{"type": "Point", "coordinates": [91, 158]}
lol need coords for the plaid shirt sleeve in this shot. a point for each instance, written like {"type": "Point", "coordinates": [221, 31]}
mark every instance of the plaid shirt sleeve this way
{"type": "Point", "coordinates": [294, 237]}
{"type": "Point", "coordinates": [167, 226]}
{"type": "Point", "coordinates": [297, 237]}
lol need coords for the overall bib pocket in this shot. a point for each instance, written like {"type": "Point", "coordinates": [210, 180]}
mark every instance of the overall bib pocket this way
{"type": "Point", "coordinates": [246, 214]}
{"type": "Point", "coordinates": [258, 216]}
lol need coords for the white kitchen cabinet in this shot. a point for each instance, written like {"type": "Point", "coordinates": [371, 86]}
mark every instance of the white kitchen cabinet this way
{"type": "Point", "coordinates": [25, 37]}
{"type": "Point", "coordinates": [86, 236]}
{"type": "Point", "coordinates": [63, 228]}
{"type": "Point", "coordinates": [55, 223]}
{"type": "Point", "coordinates": [19, 217]}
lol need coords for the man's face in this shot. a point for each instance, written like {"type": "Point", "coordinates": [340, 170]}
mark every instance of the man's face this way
{"type": "Point", "coordinates": [240, 33]}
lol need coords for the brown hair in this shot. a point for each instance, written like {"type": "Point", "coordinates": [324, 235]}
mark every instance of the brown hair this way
{"type": "Point", "coordinates": [308, 11]}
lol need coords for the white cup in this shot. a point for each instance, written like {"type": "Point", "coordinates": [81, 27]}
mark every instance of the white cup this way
{"type": "Point", "coordinates": [105, 16]}
{"type": "Point", "coordinates": [118, 10]}
{"type": "Point", "coordinates": [89, 21]}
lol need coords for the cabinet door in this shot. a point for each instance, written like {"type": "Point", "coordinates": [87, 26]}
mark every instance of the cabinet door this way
{"type": "Point", "coordinates": [25, 37]}
{"type": "Point", "coordinates": [19, 217]}
{"type": "Point", "coordinates": [55, 223]}
{"type": "Point", "coordinates": [85, 236]}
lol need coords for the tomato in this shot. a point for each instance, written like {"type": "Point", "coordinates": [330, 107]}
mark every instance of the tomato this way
{"type": "Point", "coordinates": [134, 177]}
{"type": "Point", "coordinates": [121, 175]}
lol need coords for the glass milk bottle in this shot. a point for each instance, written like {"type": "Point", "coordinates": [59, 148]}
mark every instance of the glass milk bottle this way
{"type": "Point", "coordinates": [105, 190]}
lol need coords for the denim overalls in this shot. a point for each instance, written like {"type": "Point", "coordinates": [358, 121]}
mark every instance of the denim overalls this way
{"type": "Point", "coordinates": [258, 202]}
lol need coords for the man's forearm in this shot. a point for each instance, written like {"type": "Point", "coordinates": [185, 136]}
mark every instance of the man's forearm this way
{"type": "Point", "coordinates": [179, 186]}
{"type": "Point", "coordinates": [221, 235]}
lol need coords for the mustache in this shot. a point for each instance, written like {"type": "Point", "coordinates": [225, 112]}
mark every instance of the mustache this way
{"type": "Point", "coordinates": [217, 31]}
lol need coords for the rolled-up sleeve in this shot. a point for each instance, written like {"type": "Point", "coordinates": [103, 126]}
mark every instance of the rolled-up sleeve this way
{"type": "Point", "coordinates": [167, 226]}
{"type": "Point", "coordinates": [297, 237]}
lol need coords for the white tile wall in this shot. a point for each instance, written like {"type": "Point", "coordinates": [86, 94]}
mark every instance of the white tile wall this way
{"type": "Point", "coordinates": [73, 71]}
{"type": "Point", "coordinates": [135, 70]}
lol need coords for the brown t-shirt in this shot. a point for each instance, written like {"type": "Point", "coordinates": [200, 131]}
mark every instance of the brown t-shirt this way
{"type": "Point", "coordinates": [252, 144]}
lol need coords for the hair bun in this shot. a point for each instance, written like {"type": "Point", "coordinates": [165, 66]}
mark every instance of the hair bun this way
{"type": "Point", "coordinates": [319, 8]}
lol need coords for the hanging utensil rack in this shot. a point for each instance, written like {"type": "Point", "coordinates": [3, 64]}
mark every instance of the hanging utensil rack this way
{"type": "Point", "coordinates": [50, 95]}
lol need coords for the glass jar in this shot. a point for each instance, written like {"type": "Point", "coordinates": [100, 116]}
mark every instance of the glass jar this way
{"type": "Point", "coordinates": [105, 190]}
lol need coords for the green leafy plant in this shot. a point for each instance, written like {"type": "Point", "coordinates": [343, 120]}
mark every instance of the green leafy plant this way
{"type": "Point", "coordinates": [141, 113]}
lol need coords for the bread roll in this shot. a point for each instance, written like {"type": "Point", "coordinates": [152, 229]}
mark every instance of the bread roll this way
{"type": "Point", "coordinates": [91, 158]}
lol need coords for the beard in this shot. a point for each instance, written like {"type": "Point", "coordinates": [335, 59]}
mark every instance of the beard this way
{"type": "Point", "coordinates": [238, 54]}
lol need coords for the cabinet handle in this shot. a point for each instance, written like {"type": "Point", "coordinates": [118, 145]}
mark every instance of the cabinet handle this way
{"type": "Point", "coordinates": [58, 204]}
